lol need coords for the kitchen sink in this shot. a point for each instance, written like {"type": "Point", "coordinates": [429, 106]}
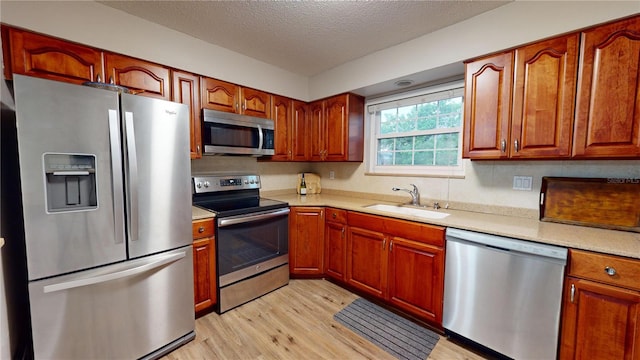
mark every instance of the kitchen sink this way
{"type": "Point", "coordinates": [408, 210]}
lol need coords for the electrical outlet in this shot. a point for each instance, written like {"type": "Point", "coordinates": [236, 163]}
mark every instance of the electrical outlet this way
{"type": "Point", "coordinates": [332, 174]}
{"type": "Point", "coordinates": [522, 183]}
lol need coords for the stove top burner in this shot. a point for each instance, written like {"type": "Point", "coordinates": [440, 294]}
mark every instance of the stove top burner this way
{"type": "Point", "coordinates": [229, 195]}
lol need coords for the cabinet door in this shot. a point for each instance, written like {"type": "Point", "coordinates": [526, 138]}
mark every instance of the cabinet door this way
{"type": "Point", "coordinates": [283, 128]}
{"type": "Point", "coordinates": [142, 77]}
{"type": "Point", "coordinates": [186, 90]}
{"type": "Point", "coordinates": [416, 278]}
{"type": "Point", "coordinates": [54, 59]}
{"type": "Point", "coordinates": [306, 240]}
{"type": "Point", "coordinates": [599, 321]}
{"type": "Point", "coordinates": [335, 253]}
{"type": "Point", "coordinates": [300, 131]}
{"type": "Point", "coordinates": [318, 131]}
{"type": "Point", "coordinates": [204, 270]}
{"type": "Point", "coordinates": [255, 103]}
{"type": "Point", "coordinates": [487, 107]}
{"type": "Point", "coordinates": [335, 112]}
{"type": "Point", "coordinates": [607, 120]}
{"type": "Point", "coordinates": [367, 260]}
{"type": "Point", "coordinates": [219, 95]}
{"type": "Point", "coordinates": [543, 99]}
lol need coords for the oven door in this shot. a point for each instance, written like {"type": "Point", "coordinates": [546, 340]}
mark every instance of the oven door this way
{"type": "Point", "coordinates": [252, 243]}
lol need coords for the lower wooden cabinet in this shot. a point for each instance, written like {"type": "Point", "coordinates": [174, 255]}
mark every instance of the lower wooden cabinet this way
{"type": "Point", "coordinates": [401, 262]}
{"type": "Point", "coordinates": [335, 243]}
{"type": "Point", "coordinates": [601, 308]}
{"type": "Point", "coordinates": [204, 265]}
{"type": "Point", "coordinates": [306, 241]}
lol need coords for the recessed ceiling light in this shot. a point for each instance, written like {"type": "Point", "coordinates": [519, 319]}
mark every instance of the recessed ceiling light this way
{"type": "Point", "coordinates": [403, 83]}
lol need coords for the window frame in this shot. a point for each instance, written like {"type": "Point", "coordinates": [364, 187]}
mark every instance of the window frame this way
{"type": "Point", "coordinates": [372, 125]}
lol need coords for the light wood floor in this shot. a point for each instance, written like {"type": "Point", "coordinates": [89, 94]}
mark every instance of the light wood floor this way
{"type": "Point", "coordinates": [293, 322]}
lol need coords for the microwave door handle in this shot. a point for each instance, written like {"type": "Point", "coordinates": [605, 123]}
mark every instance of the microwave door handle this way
{"type": "Point", "coordinates": [133, 176]}
{"type": "Point", "coordinates": [251, 218]}
{"type": "Point", "coordinates": [116, 175]}
{"type": "Point", "coordinates": [260, 137]}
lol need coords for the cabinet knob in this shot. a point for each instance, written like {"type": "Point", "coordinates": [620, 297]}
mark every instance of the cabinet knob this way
{"type": "Point", "coordinates": [516, 145]}
{"type": "Point", "coordinates": [503, 145]}
{"type": "Point", "coordinates": [201, 229]}
{"type": "Point", "coordinates": [98, 78]}
{"type": "Point", "coordinates": [610, 271]}
{"type": "Point", "coordinates": [334, 215]}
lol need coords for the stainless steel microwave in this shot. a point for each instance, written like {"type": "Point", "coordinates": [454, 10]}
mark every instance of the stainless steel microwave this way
{"type": "Point", "coordinates": [235, 134]}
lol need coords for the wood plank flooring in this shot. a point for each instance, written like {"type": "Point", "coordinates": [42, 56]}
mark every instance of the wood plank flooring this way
{"type": "Point", "coordinates": [293, 322]}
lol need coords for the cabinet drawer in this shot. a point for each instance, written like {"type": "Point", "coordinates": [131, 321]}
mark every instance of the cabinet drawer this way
{"type": "Point", "coordinates": [593, 266]}
{"type": "Point", "coordinates": [202, 228]}
{"type": "Point", "coordinates": [336, 215]}
{"type": "Point", "coordinates": [428, 234]}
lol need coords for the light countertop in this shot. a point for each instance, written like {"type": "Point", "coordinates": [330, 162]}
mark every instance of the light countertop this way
{"type": "Point", "coordinates": [198, 213]}
{"type": "Point", "coordinates": [580, 237]}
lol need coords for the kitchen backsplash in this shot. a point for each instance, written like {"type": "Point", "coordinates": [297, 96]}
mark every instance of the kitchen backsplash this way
{"type": "Point", "coordinates": [488, 183]}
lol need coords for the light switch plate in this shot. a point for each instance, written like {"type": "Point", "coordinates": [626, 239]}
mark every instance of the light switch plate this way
{"type": "Point", "coordinates": [332, 174]}
{"type": "Point", "coordinates": [522, 183]}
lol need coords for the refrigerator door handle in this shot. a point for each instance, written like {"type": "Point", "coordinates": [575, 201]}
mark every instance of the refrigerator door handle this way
{"type": "Point", "coordinates": [133, 176]}
{"type": "Point", "coordinates": [118, 274]}
{"type": "Point", "coordinates": [116, 176]}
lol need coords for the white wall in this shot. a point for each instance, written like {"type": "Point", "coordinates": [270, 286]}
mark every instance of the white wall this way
{"type": "Point", "coordinates": [505, 27]}
{"type": "Point", "coordinates": [94, 24]}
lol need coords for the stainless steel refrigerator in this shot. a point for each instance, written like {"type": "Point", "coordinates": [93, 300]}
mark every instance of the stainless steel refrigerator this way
{"type": "Point", "coordinates": [104, 179]}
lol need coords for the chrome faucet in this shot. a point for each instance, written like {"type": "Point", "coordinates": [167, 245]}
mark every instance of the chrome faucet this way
{"type": "Point", "coordinates": [415, 194]}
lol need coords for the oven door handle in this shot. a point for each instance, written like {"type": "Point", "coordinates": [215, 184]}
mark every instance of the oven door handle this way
{"type": "Point", "coordinates": [250, 218]}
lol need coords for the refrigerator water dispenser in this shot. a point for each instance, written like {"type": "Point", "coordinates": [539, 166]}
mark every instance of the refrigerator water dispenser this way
{"type": "Point", "coordinates": [70, 182]}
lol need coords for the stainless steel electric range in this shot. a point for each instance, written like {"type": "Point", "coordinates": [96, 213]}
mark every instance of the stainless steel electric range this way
{"type": "Point", "coordinates": [252, 236]}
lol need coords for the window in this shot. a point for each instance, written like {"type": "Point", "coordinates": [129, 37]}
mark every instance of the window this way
{"type": "Point", "coordinates": [418, 133]}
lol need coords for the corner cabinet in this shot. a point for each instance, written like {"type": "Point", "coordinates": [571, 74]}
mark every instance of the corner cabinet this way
{"type": "Point", "coordinates": [306, 241]}
{"type": "Point", "coordinates": [337, 128]}
{"type": "Point", "coordinates": [401, 262]}
{"type": "Point", "coordinates": [601, 308]}
{"type": "Point", "coordinates": [607, 123]}
{"type": "Point", "coordinates": [204, 265]}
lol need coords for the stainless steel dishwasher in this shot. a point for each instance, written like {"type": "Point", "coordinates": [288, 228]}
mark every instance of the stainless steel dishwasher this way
{"type": "Point", "coordinates": [504, 293]}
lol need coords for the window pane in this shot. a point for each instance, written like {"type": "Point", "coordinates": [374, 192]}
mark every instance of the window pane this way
{"type": "Point", "coordinates": [424, 142]}
{"type": "Point", "coordinates": [447, 141]}
{"type": "Point", "coordinates": [427, 123]}
{"type": "Point", "coordinates": [423, 158]}
{"type": "Point", "coordinates": [447, 157]}
{"type": "Point", "coordinates": [403, 158]}
{"type": "Point", "coordinates": [404, 143]}
{"type": "Point", "coordinates": [388, 121]}
{"type": "Point", "coordinates": [385, 158]}
{"type": "Point", "coordinates": [385, 144]}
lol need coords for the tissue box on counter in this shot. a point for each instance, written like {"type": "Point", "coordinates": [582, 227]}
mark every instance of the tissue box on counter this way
{"type": "Point", "coordinates": [313, 183]}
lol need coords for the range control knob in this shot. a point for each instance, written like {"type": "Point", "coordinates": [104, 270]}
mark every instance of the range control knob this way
{"type": "Point", "coordinates": [206, 184]}
{"type": "Point", "coordinates": [199, 185]}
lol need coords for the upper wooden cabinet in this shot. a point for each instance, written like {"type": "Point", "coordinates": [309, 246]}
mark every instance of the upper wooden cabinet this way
{"type": "Point", "coordinates": [142, 77]}
{"type": "Point", "coordinates": [487, 106]}
{"type": "Point", "coordinates": [299, 132]}
{"type": "Point", "coordinates": [50, 58]}
{"type": "Point", "coordinates": [563, 97]}
{"type": "Point", "coordinates": [186, 90]}
{"type": "Point", "coordinates": [543, 98]}
{"type": "Point", "coordinates": [337, 128]}
{"type": "Point", "coordinates": [525, 115]}
{"type": "Point", "coordinates": [224, 96]}
{"type": "Point", "coordinates": [607, 123]}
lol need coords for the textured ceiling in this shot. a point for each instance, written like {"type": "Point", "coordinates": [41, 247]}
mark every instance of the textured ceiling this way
{"type": "Point", "coordinates": [305, 37]}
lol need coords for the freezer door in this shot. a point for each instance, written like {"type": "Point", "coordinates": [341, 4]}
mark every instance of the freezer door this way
{"type": "Point", "coordinates": [121, 311]}
{"type": "Point", "coordinates": [157, 174]}
{"type": "Point", "coordinates": [70, 169]}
